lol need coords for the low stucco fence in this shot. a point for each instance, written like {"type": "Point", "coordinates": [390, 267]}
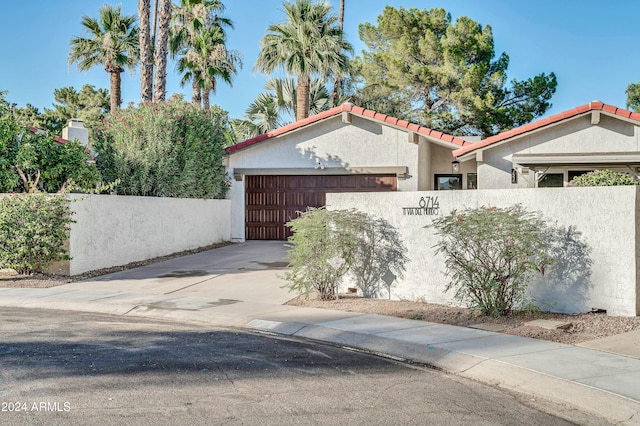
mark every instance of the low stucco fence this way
{"type": "Point", "coordinates": [605, 219]}
{"type": "Point", "coordinates": [113, 230]}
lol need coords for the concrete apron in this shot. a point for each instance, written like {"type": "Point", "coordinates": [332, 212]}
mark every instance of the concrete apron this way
{"type": "Point", "coordinates": [250, 271]}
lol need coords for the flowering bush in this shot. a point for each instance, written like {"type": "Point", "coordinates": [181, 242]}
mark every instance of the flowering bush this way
{"type": "Point", "coordinates": [165, 149]}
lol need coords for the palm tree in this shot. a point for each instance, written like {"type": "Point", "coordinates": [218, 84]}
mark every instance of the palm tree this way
{"type": "Point", "coordinates": [146, 65]}
{"type": "Point", "coordinates": [336, 78]}
{"type": "Point", "coordinates": [161, 51]}
{"type": "Point", "coordinates": [277, 108]}
{"type": "Point", "coordinates": [308, 43]}
{"type": "Point", "coordinates": [112, 42]}
{"type": "Point", "coordinates": [206, 61]}
{"type": "Point", "coordinates": [192, 19]}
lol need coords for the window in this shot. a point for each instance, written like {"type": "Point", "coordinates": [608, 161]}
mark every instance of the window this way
{"type": "Point", "coordinates": [446, 182]}
{"type": "Point", "coordinates": [552, 180]}
{"type": "Point", "coordinates": [472, 181]}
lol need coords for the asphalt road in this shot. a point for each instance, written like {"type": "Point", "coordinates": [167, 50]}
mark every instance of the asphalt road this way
{"type": "Point", "coordinates": [76, 368]}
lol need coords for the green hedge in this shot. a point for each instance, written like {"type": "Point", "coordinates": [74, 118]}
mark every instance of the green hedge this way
{"type": "Point", "coordinates": [33, 230]}
{"type": "Point", "coordinates": [165, 149]}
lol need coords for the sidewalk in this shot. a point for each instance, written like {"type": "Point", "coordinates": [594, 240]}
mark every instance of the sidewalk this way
{"type": "Point", "coordinates": [240, 286]}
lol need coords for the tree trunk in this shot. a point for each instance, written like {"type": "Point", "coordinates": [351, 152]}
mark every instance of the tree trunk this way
{"type": "Point", "coordinates": [161, 51]}
{"type": "Point", "coordinates": [336, 80]}
{"type": "Point", "coordinates": [196, 98]}
{"type": "Point", "coordinates": [146, 64]}
{"type": "Point", "coordinates": [205, 99]}
{"type": "Point", "coordinates": [154, 24]}
{"type": "Point", "coordinates": [302, 99]}
{"type": "Point", "coordinates": [114, 94]}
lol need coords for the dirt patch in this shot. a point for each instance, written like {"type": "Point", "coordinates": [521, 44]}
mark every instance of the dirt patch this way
{"type": "Point", "coordinates": [9, 278]}
{"type": "Point", "coordinates": [584, 327]}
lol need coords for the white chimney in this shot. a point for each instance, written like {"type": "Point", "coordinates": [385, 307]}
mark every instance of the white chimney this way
{"type": "Point", "coordinates": [76, 130]}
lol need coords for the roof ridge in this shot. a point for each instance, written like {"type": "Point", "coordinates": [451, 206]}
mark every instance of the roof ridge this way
{"type": "Point", "coordinates": [354, 109]}
{"type": "Point", "coordinates": [545, 121]}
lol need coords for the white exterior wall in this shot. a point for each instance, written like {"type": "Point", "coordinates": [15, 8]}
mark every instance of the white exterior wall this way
{"type": "Point", "coordinates": [574, 136]}
{"type": "Point", "coordinates": [605, 217]}
{"type": "Point", "coordinates": [363, 143]}
{"type": "Point", "coordinates": [114, 230]}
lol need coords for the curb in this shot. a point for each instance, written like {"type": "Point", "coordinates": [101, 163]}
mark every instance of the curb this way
{"type": "Point", "coordinates": [612, 407]}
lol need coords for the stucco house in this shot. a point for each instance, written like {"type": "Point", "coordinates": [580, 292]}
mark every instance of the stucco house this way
{"type": "Point", "coordinates": [344, 149]}
{"type": "Point", "coordinates": [351, 149]}
{"type": "Point", "coordinates": [552, 151]}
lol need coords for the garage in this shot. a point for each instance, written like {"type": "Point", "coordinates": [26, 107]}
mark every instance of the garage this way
{"type": "Point", "coordinates": [272, 201]}
{"type": "Point", "coordinates": [345, 149]}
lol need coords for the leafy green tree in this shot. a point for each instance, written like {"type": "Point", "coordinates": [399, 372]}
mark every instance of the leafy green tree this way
{"type": "Point", "coordinates": [30, 116]}
{"type": "Point", "coordinates": [37, 161]}
{"type": "Point", "coordinates": [420, 66]}
{"type": "Point", "coordinates": [604, 178]}
{"type": "Point", "coordinates": [491, 255]}
{"type": "Point", "coordinates": [42, 163]}
{"type": "Point", "coordinates": [89, 104]}
{"type": "Point", "coordinates": [309, 43]}
{"type": "Point", "coordinates": [633, 96]}
{"type": "Point", "coordinates": [9, 130]}
{"type": "Point", "coordinates": [112, 42]}
{"type": "Point", "coordinates": [165, 149]}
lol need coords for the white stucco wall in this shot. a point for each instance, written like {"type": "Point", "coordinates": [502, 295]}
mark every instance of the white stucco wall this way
{"type": "Point", "coordinates": [605, 217]}
{"type": "Point", "coordinates": [574, 136]}
{"type": "Point", "coordinates": [115, 230]}
{"type": "Point", "coordinates": [363, 143]}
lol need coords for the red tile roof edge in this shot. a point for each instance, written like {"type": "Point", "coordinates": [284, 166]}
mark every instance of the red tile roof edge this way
{"type": "Point", "coordinates": [353, 109]}
{"type": "Point", "coordinates": [582, 109]}
{"type": "Point", "coordinates": [58, 139]}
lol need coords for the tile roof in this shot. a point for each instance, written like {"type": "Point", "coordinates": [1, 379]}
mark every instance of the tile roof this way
{"type": "Point", "coordinates": [591, 106]}
{"type": "Point", "coordinates": [58, 139]}
{"type": "Point", "coordinates": [356, 110]}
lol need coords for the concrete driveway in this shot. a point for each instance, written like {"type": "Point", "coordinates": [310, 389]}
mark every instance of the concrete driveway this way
{"type": "Point", "coordinates": [252, 272]}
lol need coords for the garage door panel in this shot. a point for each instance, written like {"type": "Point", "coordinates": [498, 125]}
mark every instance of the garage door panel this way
{"type": "Point", "coordinates": [272, 201]}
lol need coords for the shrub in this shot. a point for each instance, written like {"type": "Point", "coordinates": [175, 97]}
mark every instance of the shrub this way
{"type": "Point", "coordinates": [165, 149]}
{"type": "Point", "coordinates": [378, 256]}
{"type": "Point", "coordinates": [318, 235]}
{"type": "Point", "coordinates": [30, 162]}
{"type": "Point", "coordinates": [604, 178]}
{"type": "Point", "coordinates": [33, 230]}
{"type": "Point", "coordinates": [370, 248]}
{"type": "Point", "coordinates": [491, 254]}
{"type": "Point", "coordinates": [44, 164]}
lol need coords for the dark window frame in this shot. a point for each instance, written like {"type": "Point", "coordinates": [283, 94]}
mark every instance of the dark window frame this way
{"type": "Point", "coordinates": [436, 181]}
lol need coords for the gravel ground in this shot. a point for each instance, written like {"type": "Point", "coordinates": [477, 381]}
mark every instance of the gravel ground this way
{"type": "Point", "coordinates": [584, 327]}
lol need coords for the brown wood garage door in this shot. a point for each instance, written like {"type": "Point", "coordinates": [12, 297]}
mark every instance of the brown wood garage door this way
{"type": "Point", "coordinates": [271, 201]}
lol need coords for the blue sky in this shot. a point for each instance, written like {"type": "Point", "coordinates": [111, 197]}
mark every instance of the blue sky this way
{"type": "Point", "coordinates": [589, 44]}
